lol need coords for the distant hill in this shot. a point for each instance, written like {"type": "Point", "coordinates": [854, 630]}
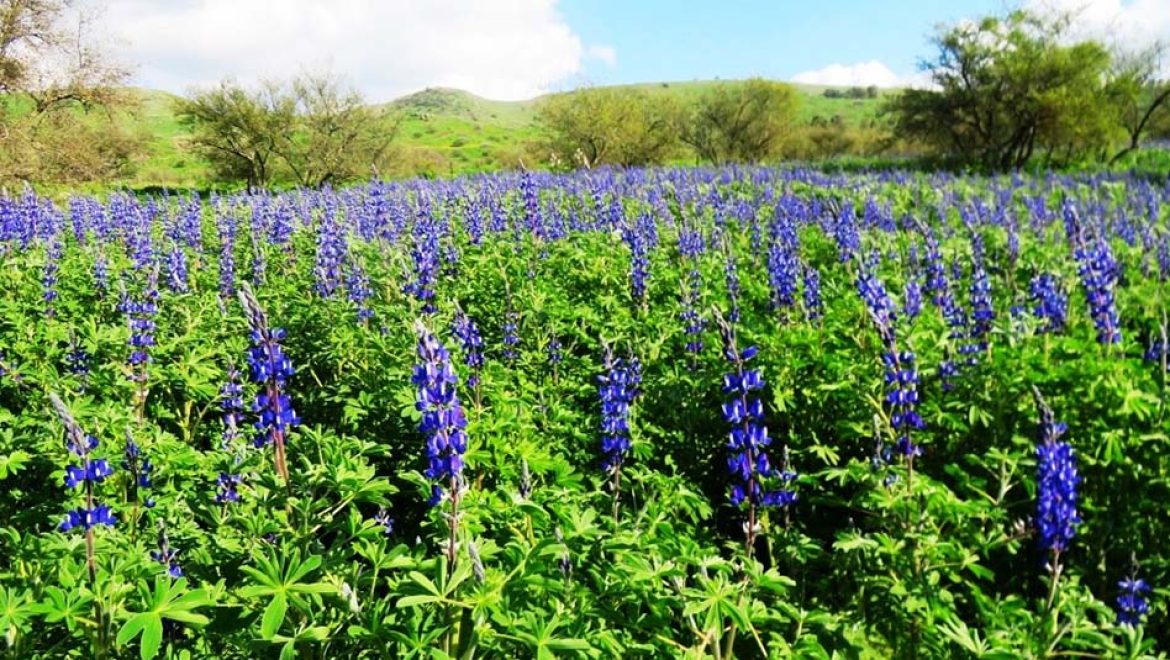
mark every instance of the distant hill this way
{"type": "Point", "coordinates": [443, 130]}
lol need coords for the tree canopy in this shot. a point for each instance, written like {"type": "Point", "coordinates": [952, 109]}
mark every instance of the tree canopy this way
{"type": "Point", "coordinates": [747, 122]}
{"type": "Point", "coordinates": [1007, 89]}
{"type": "Point", "coordinates": [310, 131]}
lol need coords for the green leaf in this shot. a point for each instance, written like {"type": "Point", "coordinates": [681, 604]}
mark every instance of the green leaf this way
{"type": "Point", "coordinates": [151, 637]}
{"type": "Point", "coordinates": [417, 599]}
{"type": "Point", "coordinates": [131, 628]}
{"type": "Point", "coordinates": [273, 616]}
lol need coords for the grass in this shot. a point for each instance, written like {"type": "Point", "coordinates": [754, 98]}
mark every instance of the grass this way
{"type": "Point", "coordinates": [441, 131]}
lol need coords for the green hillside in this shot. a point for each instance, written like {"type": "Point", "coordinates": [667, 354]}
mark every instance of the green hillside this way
{"type": "Point", "coordinates": [442, 131]}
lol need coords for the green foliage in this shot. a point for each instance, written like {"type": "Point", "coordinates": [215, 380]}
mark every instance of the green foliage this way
{"type": "Point", "coordinates": [882, 562]}
{"type": "Point", "coordinates": [310, 132]}
{"type": "Point", "coordinates": [609, 126]}
{"type": "Point", "coordinates": [1013, 89]}
{"type": "Point", "coordinates": [744, 123]}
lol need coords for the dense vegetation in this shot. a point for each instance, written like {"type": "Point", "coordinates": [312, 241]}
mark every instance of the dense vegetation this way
{"type": "Point", "coordinates": [665, 412]}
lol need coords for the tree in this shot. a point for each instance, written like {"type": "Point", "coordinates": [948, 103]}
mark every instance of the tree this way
{"type": "Point", "coordinates": [744, 122]}
{"type": "Point", "coordinates": [1142, 96]}
{"type": "Point", "coordinates": [609, 125]}
{"type": "Point", "coordinates": [1005, 89]}
{"type": "Point", "coordinates": [336, 136]}
{"type": "Point", "coordinates": [307, 131]}
{"type": "Point", "coordinates": [63, 96]}
{"type": "Point", "coordinates": [237, 130]}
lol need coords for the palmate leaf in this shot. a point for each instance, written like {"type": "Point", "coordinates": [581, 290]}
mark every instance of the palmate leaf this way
{"type": "Point", "coordinates": [279, 576]}
{"type": "Point", "coordinates": [167, 600]}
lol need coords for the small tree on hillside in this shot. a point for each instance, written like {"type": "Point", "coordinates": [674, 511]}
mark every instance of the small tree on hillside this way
{"type": "Point", "coordinates": [64, 97]}
{"type": "Point", "coordinates": [337, 137]}
{"type": "Point", "coordinates": [740, 122]}
{"type": "Point", "coordinates": [310, 132]}
{"type": "Point", "coordinates": [609, 125]}
{"type": "Point", "coordinates": [1008, 89]}
{"type": "Point", "coordinates": [237, 130]}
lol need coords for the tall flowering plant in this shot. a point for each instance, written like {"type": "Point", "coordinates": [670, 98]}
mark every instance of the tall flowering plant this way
{"type": "Point", "coordinates": [617, 388]}
{"type": "Point", "coordinates": [270, 369]}
{"type": "Point", "coordinates": [748, 439]}
{"type": "Point", "coordinates": [1057, 482]}
{"type": "Point", "coordinates": [84, 475]}
{"type": "Point", "coordinates": [443, 423]}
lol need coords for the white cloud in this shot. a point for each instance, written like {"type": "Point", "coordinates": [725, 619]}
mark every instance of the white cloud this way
{"type": "Point", "coordinates": [1129, 25]}
{"type": "Point", "coordinates": [604, 53]}
{"type": "Point", "coordinates": [501, 49]}
{"type": "Point", "coordinates": [862, 74]}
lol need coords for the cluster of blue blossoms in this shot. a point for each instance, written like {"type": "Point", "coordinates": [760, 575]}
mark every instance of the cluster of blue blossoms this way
{"type": "Point", "coordinates": [467, 332]}
{"type": "Point", "coordinates": [89, 473]}
{"type": "Point", "coordinates": [618, 387]}
{"type": "Point", "coordinates": [748, 440]}
{"type": "Point", "coordinates": [1057, 481]}
{"type": "Point", "coordinates": [443, 421]}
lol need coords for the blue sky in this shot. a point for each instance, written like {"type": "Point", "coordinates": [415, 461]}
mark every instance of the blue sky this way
{"type": "Point", "coordinates": [517, 49]}
{"type": "Point", "coordinates": [663, 40]}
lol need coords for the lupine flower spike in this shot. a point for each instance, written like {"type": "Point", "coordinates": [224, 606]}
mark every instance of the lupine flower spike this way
{"type": "Point", "coordinates": [166, 555]}
{"type": "Point", "coordinates": [1056, 491]}
{"type": "Point", "coordinates": [617, 389]}
{"type": "Point", "coordinates": [271, 369]}
{"type": "Point", "coordinates": [1131, 598]}
{"type": "Point", "coordinates": [443, 423]}
{"type": "Point", "coordinates": [748, 440]}
{"type": "Point", "coordinates": [91, 472]}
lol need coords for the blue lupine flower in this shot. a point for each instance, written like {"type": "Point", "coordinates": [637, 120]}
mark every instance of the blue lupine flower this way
{"type": "Point", "coordinates": [691, 247]}
{"type": "Point", "coordinates": [166, 555]}
{"type": "Point", "coordinates": [1158, 350]}
{"type": "Point", "coordinates": [90, 472]}
{"type": "Point", "coordinates": [1099, 272]}
{"type": "Point", "coordinates": [94, 471]}
{"type": "Point", "coordinates": [358, 287]}
{"type": "Point", "coordinates": [511, 333]}
{"type": "Point", "coordinates": [227, 486]}
{"type": "Point", "coordinates": [384, 521]}
{"type": "Point", "coordinates": [227, 226]}
{"type": "Point", "coordinates": [270, 368]}
{"type": "Point", "coordinates": [50, 275]}
{"type": "Point", "coordinates": [101, 275]}
{"type": "Point", "coordinates": [1050, 302]}
{"type": "Point", "coordinates": [878, 303]}
{"type": "Point", "coordinates": [139, 468]}
{"type": "Point", "coordinates": [425, 255]}
{"type": "Point", "coordinates": [1056, 487]}
{"type": "Point", "coordinates": [443, 422]}
{"type": "Point", "coordinates": [140, 317]}
{"type": "Point", "coordinates": [936, 273]}
{"type": "Point", "coordinates": [748, 439]}
{"type": "Point", "coordinates": [553, 351]}
{"type": "Point", "coordinates": [1131, 601]}
{"type": "Point", "coordinates": [467, 332]}
{"type": "Point", "coordinates": [731, 279]}
{"type": "Point", "coordinates": [912, 299]}
{"type": "Point", "coordinates": [902, 398]}
{"type": "Point", "coordinates": [617, 389]}
{"type": "Point", "coordinates": [177, 270]}
{"type": "Point", "coordinates": [900, 374]}
{"type": "Point", "coordinates": [982, 314]}
{"type": "Point", "coordinates": [635, 238]}
{"type": "Point", "coordinates": [781, 277]}
{"type": "Point", "coordinates": [87, 519]}
{"type": "Point", "coordinates": [77, 360]}
{"type": "Point", "coordinates": [231, 404]}
{"type": "Point", "coordinates": [331, 252]}
{"type": "Point", "coordinates": [814, 306]}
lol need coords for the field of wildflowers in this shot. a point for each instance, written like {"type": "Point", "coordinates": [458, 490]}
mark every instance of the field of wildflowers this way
{"type": "Point", "coordinates": [740, 412]}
